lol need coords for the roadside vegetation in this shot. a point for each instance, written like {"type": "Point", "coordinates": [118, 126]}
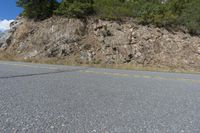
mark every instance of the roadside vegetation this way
{"type": "Point", "coordinates": [73, 62]}
{"type": "Point", "coordinates": [161, 13]}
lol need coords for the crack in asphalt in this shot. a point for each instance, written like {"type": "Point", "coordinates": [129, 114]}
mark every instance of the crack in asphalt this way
{"type": "Point", "coordinates": [45, 73]}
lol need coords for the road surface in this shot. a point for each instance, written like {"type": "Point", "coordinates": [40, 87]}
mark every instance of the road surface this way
{"type": "Point", "coordinates": [55, 98]}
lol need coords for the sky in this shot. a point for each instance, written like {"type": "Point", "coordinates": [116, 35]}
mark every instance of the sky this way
{"type": "Point", "coordinates": [8, 12]}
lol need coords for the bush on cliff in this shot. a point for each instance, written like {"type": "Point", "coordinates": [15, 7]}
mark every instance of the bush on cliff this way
{"type": "Point", "coordinates": [157, 12]}
{"type": "Point", "coordinates": [112, 9]}
{"type": "Point", "coordinates": [190, 17]}
{"type": "Point", "coordinates": [75, 8]}
{"type": "Point", "coordinates": [38, 9]}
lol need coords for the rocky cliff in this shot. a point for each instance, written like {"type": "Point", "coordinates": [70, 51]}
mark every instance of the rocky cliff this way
{"type": "Point", "coordinates": [3, 37]}
{"type": "Point", "coordinates": [102, 42]}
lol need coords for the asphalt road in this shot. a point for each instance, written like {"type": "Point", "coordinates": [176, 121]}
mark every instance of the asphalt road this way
{"type": "Point", "coordinates": [54, 98]}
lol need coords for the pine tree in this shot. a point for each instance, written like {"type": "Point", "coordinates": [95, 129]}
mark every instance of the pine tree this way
{"type": "Point", "coordinates": [38, 9]}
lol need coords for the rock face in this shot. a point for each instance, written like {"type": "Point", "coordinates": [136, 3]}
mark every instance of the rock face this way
{"type": "Point", "coordinates": [105, 42]}
{"type": "Point", "coordinates": [2, 38]}
{"type": "Point", "coordinates": [6, 36]}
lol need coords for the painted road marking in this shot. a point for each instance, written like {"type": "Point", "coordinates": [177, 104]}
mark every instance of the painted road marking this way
{"type": "Point", "coordinates": [141, 76]}
{"type": "Point", "coordinates": [109, 73]}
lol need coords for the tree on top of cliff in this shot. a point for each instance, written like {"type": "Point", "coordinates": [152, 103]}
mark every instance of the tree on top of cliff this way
{"type": "Point", "coordinates": [157, 12]}
{"type": "Point", "coordinates": [75, 8]}
{"type": "Point", "coordinates": [37, 9]}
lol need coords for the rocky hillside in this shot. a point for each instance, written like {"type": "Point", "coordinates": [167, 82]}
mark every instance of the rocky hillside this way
{"type": "Point", "coordinates": [102, 42]}
{"type": "Point", "coordinates": [3, 37]}
{"type": "Point", "coordinates": [1, 34]}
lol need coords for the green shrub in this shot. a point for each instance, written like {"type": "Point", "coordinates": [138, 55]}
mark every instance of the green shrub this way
{"type": "Point", "coordinates": [171, 13]}
{"type": "Point", "coordinates": [37, 9]}
{"type": "Point", "coordinates": [190, 17]}
{"type": "Point", "coordinates": [112, 9]}
{"type": "Point", "coordinates": [75, 8]}
{"type": "Point", "coordinates": [154, 13]}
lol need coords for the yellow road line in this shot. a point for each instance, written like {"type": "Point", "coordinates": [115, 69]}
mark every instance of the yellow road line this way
{"type": "Point", "coordinates": [106, 73]}
{"type": "Point", "coordinates": [142, 76]}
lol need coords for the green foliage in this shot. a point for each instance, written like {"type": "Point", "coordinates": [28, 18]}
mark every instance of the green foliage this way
{"type": "Point", "coordinates": [112, 9]}
{"type": "Point", "coordinates": [170, 13]}
{"type": "Point", "coordinates": [155, 13]}
{"type": "Point", "coordinates": [37, 9]}
{"type": "Point", "coordinates": [190, 17]}
{"type": "Point", "coordinates": [21, 3]}
{"type": "Point", "coordinates": [75, 8]}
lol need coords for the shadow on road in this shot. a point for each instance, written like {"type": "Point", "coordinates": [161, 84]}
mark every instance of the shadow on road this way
{"type": "Point", "coordinates": [45, 73]}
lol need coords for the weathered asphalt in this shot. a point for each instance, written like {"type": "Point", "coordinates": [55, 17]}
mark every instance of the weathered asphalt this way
{"type": "Point", "coordinates": [54, 98]}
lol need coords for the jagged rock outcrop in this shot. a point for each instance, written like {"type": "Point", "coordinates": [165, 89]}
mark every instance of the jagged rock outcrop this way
{"type": "Point", "coordinates": [3, 37]}
{"type": "Point", "coordinates": [6, 36]}
{"type": "Point", "coordinates": [98, 41]}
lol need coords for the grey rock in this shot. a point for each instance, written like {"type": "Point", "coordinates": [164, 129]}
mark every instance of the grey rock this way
{"type": "Point", "coordinates": [103, 41]}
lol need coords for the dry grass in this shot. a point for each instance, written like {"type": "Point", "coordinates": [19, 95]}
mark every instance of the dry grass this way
{"type": "Point", "coordinates": [74, 62]}
{"type": "Point", "coordinates": [5, 56]}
